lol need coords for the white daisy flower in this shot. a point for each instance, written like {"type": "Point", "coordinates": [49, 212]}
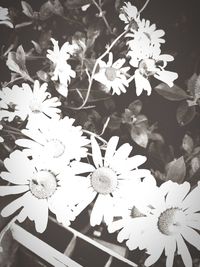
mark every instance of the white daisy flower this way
{"type": "Point", "coordinates": [1, 138]}
{"type": "Point", "coordinates": [128, 14]}
{"type": "Point", "coordinates": [173, 216]}
{"type": "Point", "coordinates": [146, 32]}
{"type": "Point", "coordinates": [112, 177]}
{"type": "Point", "coordinates": [149, 62]}
{"type": "Point", "coordinates": [62, 69]}
{"type": "Point", "coordinates": [43, 189]}
{"type": "Point", "coordinates": [4, 17]}
{"type": "Point", "coordinates": [112, 75]}
{"type": "Point", "coordinates": [56, 140]}
{"type": "Point", "coordinates": [35, 104]}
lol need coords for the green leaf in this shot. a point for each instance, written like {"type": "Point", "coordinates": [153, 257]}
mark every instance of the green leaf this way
{"type": "Point", "coordinates": [173, 93]}
{"type": "Point", "coordinates": [139, 136]}
{"type": "Point", "coordinates": [176, 170]}
{"type": "Point", "coordinates": [185, 114]}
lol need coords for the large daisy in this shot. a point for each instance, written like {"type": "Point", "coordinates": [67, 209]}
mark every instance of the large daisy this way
{"type": "Point", "coordinates": [59, 56]}
{"type": "Point", "coordinates": [57, 140]}
{"type": "Point", "coordinates": [24, 102]}
{"type": "Point", "coordinates": [149, 61]}
{"type": "Point", "coordinates": [43, 189]}
{"type": "Point", "coordinates": [112, 75]}
{"type": "Point", "coordinates": [172, 218]}
{"type": "Point", "coordinates": [112, 178]}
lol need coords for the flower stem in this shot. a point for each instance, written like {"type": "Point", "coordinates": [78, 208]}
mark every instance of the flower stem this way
{"type": "Point", "coordinates": [144, 6]}
{"type": "Point", "coordinates": [95, 67]}
{"type": "Point", "coordinates": [96, 135]}
{"type": "Point", "coordinates": [102, 15]}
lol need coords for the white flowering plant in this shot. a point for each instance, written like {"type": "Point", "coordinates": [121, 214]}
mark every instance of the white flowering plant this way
{"type": "Point", "coordinates": [97, 130]}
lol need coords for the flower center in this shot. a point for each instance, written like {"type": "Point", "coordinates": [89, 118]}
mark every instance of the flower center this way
{"type": "Point", "coordinates": [55, 148]}
{"type": "Point", "coordinates": [170, 221]}
{"type": "Point", "coordinates": [104, 180]}
{"type": "Point", "coordinates": [147, 67]}
{"type": "Point", "coordinates": [35, 107]}
{"type": "Point", "coordinates": [111, 74]}
{"type": "Point", "coordinates": [43, 184]}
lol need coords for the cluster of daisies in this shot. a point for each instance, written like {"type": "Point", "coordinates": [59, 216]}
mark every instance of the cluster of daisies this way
{"type": "Point", "coordinates": [56, 167]}
{"type": "Point", "coordinates": [144, 54]}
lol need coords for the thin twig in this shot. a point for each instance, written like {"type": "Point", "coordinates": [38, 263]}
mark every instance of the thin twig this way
{"type": "Point", "coordinates": [144, 6]}
{"type": "Point", "coordinates": [95, 66]}
{"type": "Point", "coordinates": [96, 135]}
{"type": "Point", "coordinates": [103, 16]}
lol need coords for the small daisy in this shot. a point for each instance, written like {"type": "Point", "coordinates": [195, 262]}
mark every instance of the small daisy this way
{"type": "Point", "coordinates": [129, 14]}
{"type": "Point", "coordinates": [43, 189]}
{"type": "Point", "coordinates": [1, 138]}
{"type": "Point", "coordinates": [4, 17]}
{"type": "Point", "coordinates": [24, 102]}
{"type": "Point", "coordinates": [146, 32]}
{"type": "Point", "coordinates": [113, 176]}
{"type": "Point", "coordinates": [112, 75]}
{"type": "Point", "coordinates": [59, 56]}
{"type": "Point", "coordinates": [172, 218]}
{"type": "Point", "coordinates": [149, 62]}
{"type": "Point", "coordinates": [56, 140]}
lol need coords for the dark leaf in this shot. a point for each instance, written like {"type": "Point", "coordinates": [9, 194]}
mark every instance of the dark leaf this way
{"type": "Point", "coordinates": [92, 34]}
{"type": "Point", "coordinates": [139, 136]}
{"type": "Point", "coordinates": [173, 93]}
{"type": "Point", "coordinates": [114, 122]}
{"type": "Point", "coordinates": [16, 63]}
{"type": "Point", "coordinates": [176, 170]}
{"type": "Point", "coordinates": [27, 9]}
{"type": "Point", "coordinates": [185, 114]}
{"type": "Point", "coordinates": [45, 11]}
{"type": "Point", "coordinates": [135, 107]}
{"type": "Point", "coordinates": [56, 7]}
{"type": "Point", "coordinates": [188, 143]}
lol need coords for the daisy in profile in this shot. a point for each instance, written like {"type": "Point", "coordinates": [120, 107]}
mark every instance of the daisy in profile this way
{"type": "Point", "coordinates": [24, 102]}
{"type": "Point", "coordinates": [112, 178]}
{"type": "Point", "coordinates": [149, 61]}
{"type": "Point", "coordinates": [112, 75]}
{"type": "Point", "coordinates": [170, 218]}
{"type": "Point", "coordinates": [42, 187]}
{"type": "Point", "coordinates": [57, 140]}
{"type": "Point", "coordinates": [62, 69]}
{"type": "Point", "coordinates": [129, 14]}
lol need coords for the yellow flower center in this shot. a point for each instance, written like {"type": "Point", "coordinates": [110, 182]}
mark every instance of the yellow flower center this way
{"type": "Point", "coordinates": [55, 148]}
{"type": "Point", "coordinates": [104, 180]}
{"type": "Point", "coordinates": [111, 73]}
{"type": "Point", "coordinates": [170, 221]}
{"type": "Point", "coordinates": [43, 184]}
{"type": "Point", "coordinates": [147, 67]}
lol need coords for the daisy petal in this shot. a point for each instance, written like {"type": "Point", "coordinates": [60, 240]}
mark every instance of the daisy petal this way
{"type": "Point", "coordinates": [97, 211]}
{"type": "Point", "coordinates": [96, 153]}
{"type": "Point", "coordinates": [10, 190]}
{"type": "Point", "coordinates": [111, 148]}
{"type": "Point", "coordinates": [191, 236]}
{"type": "Point", "coordinates": [183, 251]}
